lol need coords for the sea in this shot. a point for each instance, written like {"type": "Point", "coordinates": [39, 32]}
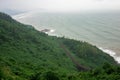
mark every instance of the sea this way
{"type": "Point", "coordinates": [101, 29]}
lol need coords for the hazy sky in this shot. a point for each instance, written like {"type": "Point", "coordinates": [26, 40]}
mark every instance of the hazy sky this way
{"type": "Point", "coordinates": [61, 5]}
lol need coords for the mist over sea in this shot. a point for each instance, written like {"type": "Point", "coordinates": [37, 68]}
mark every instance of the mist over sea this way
{"type": "Point", "coordinates": [100, 29]}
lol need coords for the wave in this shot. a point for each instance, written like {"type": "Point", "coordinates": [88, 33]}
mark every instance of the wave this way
{"type": "Point", "coordinates": [52, 30]}
{"type": "Point", "coordinates": [19, 16]}
{"type": "Point", "coordinates": [111, 53]}
{"type": "Point", "coordinates": [22, 15]}
{"type": "Point", "coordinates": [47, 31]}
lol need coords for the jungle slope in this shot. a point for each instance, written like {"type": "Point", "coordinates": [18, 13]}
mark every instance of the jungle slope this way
{"type": "Point", "coordinates": [27, 54]}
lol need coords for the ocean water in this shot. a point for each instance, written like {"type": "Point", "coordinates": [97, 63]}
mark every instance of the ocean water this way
{"type": "Point", "coordinates": [100, 29]}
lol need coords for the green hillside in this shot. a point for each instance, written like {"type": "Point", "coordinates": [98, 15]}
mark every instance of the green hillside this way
{"type": "Point", "coordinates": [28, 54]}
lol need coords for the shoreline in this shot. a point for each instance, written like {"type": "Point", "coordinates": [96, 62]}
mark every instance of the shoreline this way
{"type": "Point", "coordinates": [50, 32]}
{"type": "Point", "coordinates": [111, 53]}
{"type": "Point", "coordinates": [106, 50]}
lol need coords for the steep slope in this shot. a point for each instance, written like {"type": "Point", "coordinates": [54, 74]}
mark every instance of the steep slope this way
{"type": "Point", "coordinates": [25, 52]}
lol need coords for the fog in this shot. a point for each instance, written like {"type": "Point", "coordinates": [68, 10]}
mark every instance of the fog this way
{"type": "Point", "coordinates": [61, 5]}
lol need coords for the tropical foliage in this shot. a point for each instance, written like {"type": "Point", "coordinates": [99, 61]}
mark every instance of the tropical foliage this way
{"type": "Point", "coordinates": [28, 54]}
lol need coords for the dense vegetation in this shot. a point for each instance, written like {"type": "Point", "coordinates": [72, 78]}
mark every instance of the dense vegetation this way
{"type": "Point", "coordinates": [27, 54]}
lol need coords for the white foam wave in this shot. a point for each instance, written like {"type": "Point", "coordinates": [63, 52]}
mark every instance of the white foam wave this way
{"type": "Point", "coordinates": [19, 16]}
{"type": "Point", "coordinates": [22, 15]}
{"type": "Point", "coordinates": [52, 30]}
{"type": "Point", "coordinates": [48, 31]}
{"type": "Point", "coordinates": [111, 53]}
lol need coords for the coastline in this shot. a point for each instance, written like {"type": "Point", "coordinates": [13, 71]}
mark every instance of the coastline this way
{"type": "Point", "coordinates": [111, 53]}
{"type": "Point", "coordinates": [52, 32]}
{"type": "Point", "coordinates": [107, 51]}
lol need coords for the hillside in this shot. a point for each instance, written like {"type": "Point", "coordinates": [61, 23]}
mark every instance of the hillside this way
{"type": "Point", "coordinates": [26, 53]}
